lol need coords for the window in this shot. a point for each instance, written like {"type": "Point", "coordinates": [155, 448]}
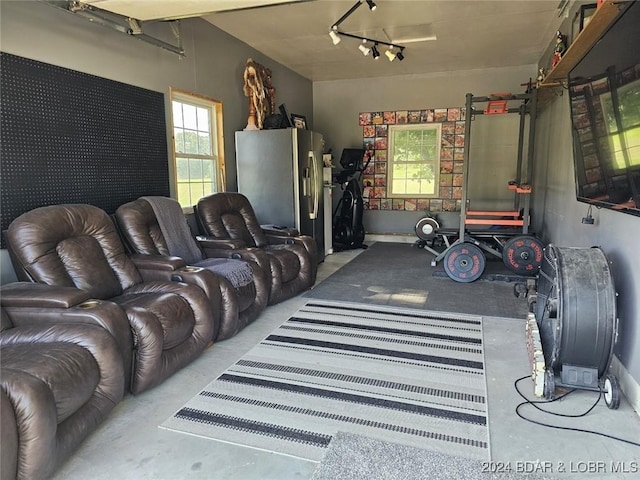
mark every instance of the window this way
{"type": "Point", "coordinates": [414, 160]}
{"type": "Point", "coordinates": [198, 148]}
{"type": "Point", "coordinates": [628, 114]}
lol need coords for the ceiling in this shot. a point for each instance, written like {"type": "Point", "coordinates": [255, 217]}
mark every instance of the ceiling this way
{"type": "Point", "coordinates": [471, 34]}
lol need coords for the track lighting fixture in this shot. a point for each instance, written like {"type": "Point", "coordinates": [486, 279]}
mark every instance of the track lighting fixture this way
{"type": "Point", "coordinates": [364, 49]}
{"type": "Point", "coordinates": [375, 52]}
{"type": "Point", "coordinates": [335, 34]}
{"type": "Point", "coordinates": [390, 54]}
{"type": "Point", "coordinates": [335, 38]}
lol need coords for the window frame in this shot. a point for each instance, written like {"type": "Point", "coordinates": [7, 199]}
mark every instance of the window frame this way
{"type": "Point", "coordinates": [216, 134]}
{"type": "Point", "coordinates": [435, 162]}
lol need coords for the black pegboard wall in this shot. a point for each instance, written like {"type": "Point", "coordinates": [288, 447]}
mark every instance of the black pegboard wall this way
{"type": "Point", "coordinates": [71, 137]}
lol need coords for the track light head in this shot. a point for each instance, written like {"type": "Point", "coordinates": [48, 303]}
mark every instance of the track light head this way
{"type": "Point", "coordinates": [364, 49]}
{"type": "Point", "coordinates": [375, 52]}
{"type": "Point", "coordinates": [372, 5]}
{"type": "Point", "coordinates": [390, 55]}
{"type": "Point", "coordinates": [335, 38]}
{"type": "Point", "coordinates": [400, 56]}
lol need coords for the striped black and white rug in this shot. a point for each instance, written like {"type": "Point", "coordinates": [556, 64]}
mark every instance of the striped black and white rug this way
{"type": "Point", "coordinates": [402, 375]}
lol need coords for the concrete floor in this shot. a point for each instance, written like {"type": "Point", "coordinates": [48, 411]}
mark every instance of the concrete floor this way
{"type": "Point", "coordinates": [129, 444]}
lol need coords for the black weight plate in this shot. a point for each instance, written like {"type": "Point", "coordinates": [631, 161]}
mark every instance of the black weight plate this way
{"type": "Point", "coordinates": [523, 255]}
{"type": "Point", "coordinates": [464, 262]}
{"type": "Point", "coordinates": [426, 228]}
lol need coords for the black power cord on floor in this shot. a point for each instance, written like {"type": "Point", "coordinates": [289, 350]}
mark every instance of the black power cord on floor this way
{"type": "Point", "coordinates": [535, 403]}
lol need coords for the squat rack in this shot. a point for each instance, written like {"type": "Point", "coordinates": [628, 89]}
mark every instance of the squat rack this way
{"type": "Point", "coordinates": [465, 263]}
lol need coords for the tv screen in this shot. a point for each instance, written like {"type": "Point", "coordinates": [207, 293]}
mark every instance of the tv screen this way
{"type": "Point", "coordinates": [604, 90]}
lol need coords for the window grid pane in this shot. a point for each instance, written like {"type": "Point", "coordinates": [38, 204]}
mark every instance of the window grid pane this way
{"type": "Point", "coordinates": [189, 116]}
{"type": "Point", "coordinates": [414, 160]}
{"type": "Point", "coordinates": [204, 143]}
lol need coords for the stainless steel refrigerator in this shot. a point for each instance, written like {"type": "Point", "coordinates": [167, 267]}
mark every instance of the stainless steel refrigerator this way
{"type": "Point", "coordinates": [280, 172]}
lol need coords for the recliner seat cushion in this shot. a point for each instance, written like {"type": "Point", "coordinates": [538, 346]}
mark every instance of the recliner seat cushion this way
{"type": "Point", "coordinates": [68, 370]}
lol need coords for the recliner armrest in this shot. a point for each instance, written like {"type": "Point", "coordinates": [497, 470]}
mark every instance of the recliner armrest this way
{"type": "Point", "coordinates": [280, 239]}
{"type": "Point", "coordinates": [27, 294]}
{"type": "Point", "coordinates": [250, 254]}
{"type": "Point", "coordinates": [157, 267]}
{"type": "Point", "coordinates": [288, 239]}
{"type": "Point", "coordinates": [305, 241]}
{"type": "Point", "coordinates": [157, 262]}
{"type": "Point", "coordinates": [221, 243]}
{"type": "Point", "coordinates": [230, 248]}
{"type": "Point", "coordinates": [280, 231]}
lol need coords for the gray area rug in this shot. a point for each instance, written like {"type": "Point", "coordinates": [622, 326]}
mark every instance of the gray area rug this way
{"type": "Point", "coordinates": [355, 457]}
{"type": "Point", "coordinates": [407, 376]}
{"type": "Point", "coordinates": [399, 274]}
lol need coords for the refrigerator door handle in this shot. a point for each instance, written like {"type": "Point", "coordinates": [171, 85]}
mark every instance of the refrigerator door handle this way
{"type": "Point", "coordinates": [305, 182]}
{"type": "Point", "coordinates": [313, 214]}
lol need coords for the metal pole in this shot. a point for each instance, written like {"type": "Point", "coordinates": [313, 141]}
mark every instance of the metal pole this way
{"type": "Point", "coordinates": [522, 111]}
{"type": "Point", "coordinates": [533, 109]}
{"type": "Point", "coordinates": [465, 170]}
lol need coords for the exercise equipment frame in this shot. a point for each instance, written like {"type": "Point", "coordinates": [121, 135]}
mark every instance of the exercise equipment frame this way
{"type": "Point", "coordinates": [493, 241]}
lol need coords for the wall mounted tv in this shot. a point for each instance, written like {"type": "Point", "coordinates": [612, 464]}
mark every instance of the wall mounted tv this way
{"type": "Point", "coordinates": [604, 91]}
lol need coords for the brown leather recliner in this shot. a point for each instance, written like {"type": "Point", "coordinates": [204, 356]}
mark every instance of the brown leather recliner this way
{"type": "Point", "coordinates": [77, 246]}
{"type": "Point", "coordinates": [229, 223]}
{"type": "Point", "coordinates": [242, 301]}
{"type": "Point", "coordinates": [59, 382]}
